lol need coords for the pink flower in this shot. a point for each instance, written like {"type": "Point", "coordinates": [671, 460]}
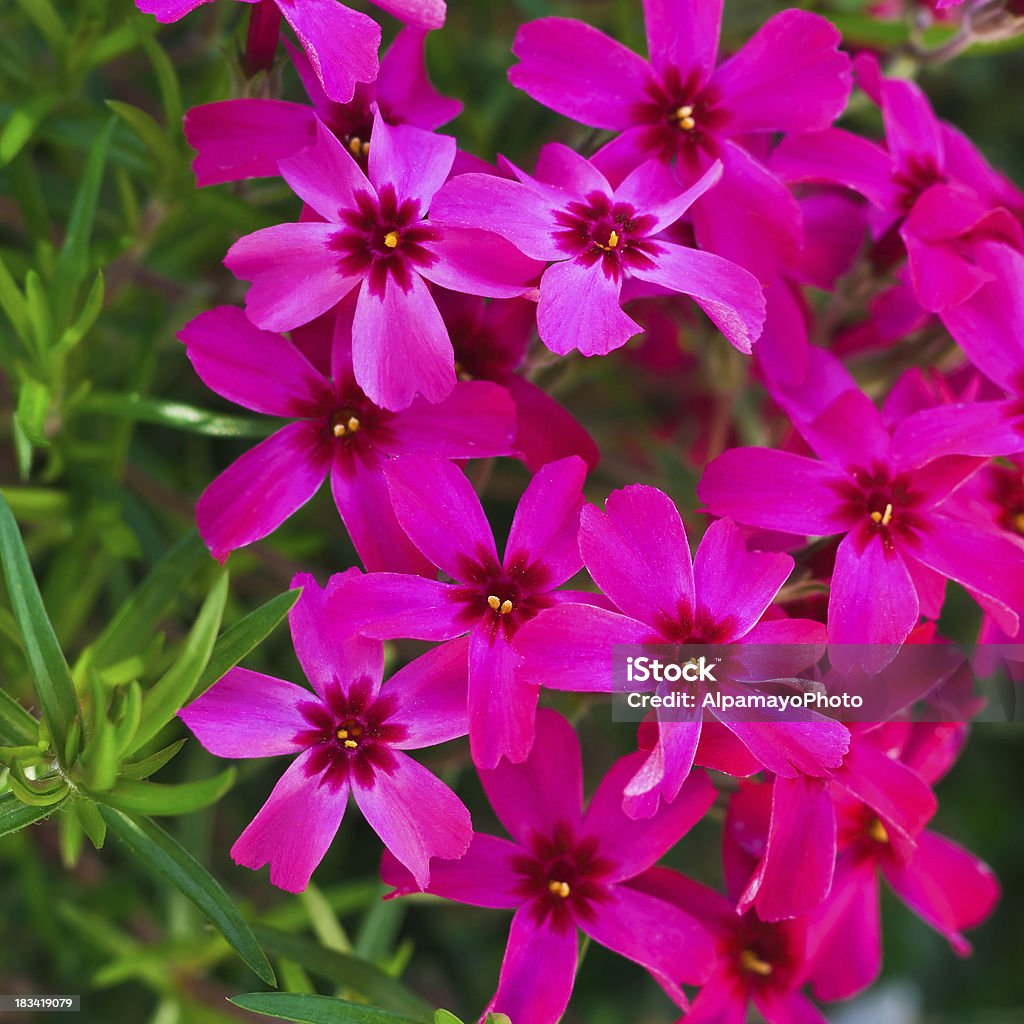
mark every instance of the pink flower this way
{"type": "Point", "coordinates": [245, 138]}
{"type": "Point", "coordinates": [350, 736]}
{"type": "Point", "coordinates": [565, 870]}
{"type": "Point", "coordinates": [885, 491]}
{"type": "Point", "coordinates": [638, 554]}
{"type": "Point", "coordinates": [596, 238]}
{"type": "Point", "coordinates": [337, 433]}
{"type": "Point", "coordinates": [947, 887]}
{"type": "Point", "coordinates": [759, 962]}
{"type": "Point", "coordinates": [930, 185]}
{"type": "Point", "coordinates": [374, 237]}
{"type": "Point", "coordinates": [341, 43]}
{"type": "Point", "coordinates": [490, 342]}
{"type": "Point", "coordinates": [490, 598]}
{"type": "Point", "coordinates": [789, 77]}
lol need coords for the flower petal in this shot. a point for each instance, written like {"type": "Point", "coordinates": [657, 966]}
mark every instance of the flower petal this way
{"type": "Point", "coordinates": [546, 431]}
{"type": "Point", "coordinates": [262, 488]}
{"type": "Point", "coordinates": [329, 657]}
{"type": "Point", "coordinates": [538, 970]}
{"type": "Point", "coordinates": [341, 44]}
{"type": "Point", "coordinates": [501, 707]}
{"type": "Point", "coordinates": [638, 554]}
{"type": "Point", "coordinates": [580, 309]}
{"type": "Point", "coordinates": [239, 139]}
{"type": "Point", "coordinates": [683, 35]}
{"type": "Point", "coordinates": [580, 72]}
{"type": "Point", "coordinates": [477, 420]}
{"type": "Point", "coordinates": [526, 797]}
{"type": "Point", "coordinates": [790, 76]}
{"type": "Point", "coordinates": [325, 176]}
{"type": "Point", "coordinates": [256, 369]}
{"type": "Point", "coordinates": [480, 263]}
{"type": "Point", "coordinates": [423, 13]}
{"type": "Point", "coordinates": [730, 295]}
{"type": "Point", "coordinates": [400, 345]}
{"type": "Point", "coordinates": [295, 827]}
{"type": "Point", "coordinates": [415, 814]}
{"type": "Point", "coordinates": [248, 714]}
{"type": "Point", "coordinates": [431, 695]}
{"type": "Point", "coordinates": [776, 491]}
{"type": "Point", "coordinates": [654, 190]}
{"type": "Point", "coordinates": [389, 605]}
{"type": "Point", "coordinates": [295, 273]}
{"type": "Point", "coordinates": [633, 846]}
{"type": "Point", "coordinates": [441, 513]}
{"type": "Point", "coordinates": [405, 93]}
{"type": "Point", "coordinates": [484, 876]}
{"type": "Point", "coordinates": [509, 208]}
{"type": "Point", "coordinates": [413, 161]}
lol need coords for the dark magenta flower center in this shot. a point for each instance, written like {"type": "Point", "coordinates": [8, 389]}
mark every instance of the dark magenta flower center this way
{"type": "Point", "coordinates": [502, 599]}
{"type": "Point", "coordinates": [681, 116]}
{"type": "Point", "coordinates": [563, 877]}
{"type": "Point", "coordinates": [765, 955]}
{"type": "Point", "coordinates": [350, 733]}
{"type": "Point", "coordinates": [1006, 490]}
{"type": "Point", "coordinates": [596, 230]}
{"type": "Point", "coordinates": [886, 503]}
{"type": "Point", "coordinates": [383, 237]}
{"type": "Point", "coordinates": [917, 175]}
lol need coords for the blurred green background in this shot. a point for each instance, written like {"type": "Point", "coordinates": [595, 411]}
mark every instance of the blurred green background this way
{"type": "Point", "coordinates": [103, 485]}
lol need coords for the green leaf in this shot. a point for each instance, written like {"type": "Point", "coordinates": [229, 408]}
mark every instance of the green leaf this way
{"type": "Point", "coordinates": [54, 687]}
{"type": "Point", "coordinates": [12, 302]}
{"type": "Point", "coordinates": [144, 409]}
{"type": "Point", "coordinates": [45, 792]}
{"type": "Point", "coordinates": [244, 636]}
{"type": "Point", "coordinates": [306, 1009]}
{"type": "Point", "coordinates": [346, 970]}
{"type": "Point", "coordinates": [33, 406]}
{"type": "Point", "coordinates": [73, 259]}
{"type": "Point", "coordinates": [17, 726]}
{"type": "Point", "coordinates": [100, 757]}
{"type": "Point", "coordinates": [167, 696]}
{"type": "Point", "coordinates": [47, 20]}
{"type": "Point", "coordinates": [39, 310]}
{"type": "Point", "coordinates": [129, 632]}
{"type": "Point", "coordinates": [446, 1017]}
{"type": "Point", "coordinates": [14, 815]}
{"type": "Point", "coordinates": [148, 131]}
{"type": "Point", "coordinates": [152, 764]}
{"type": "Point", "coordinates": [90, 311]}
{"type": "Point", "coordinates": [91, 821]}
{"type": "Point", "coordinates": [167, 799]}
{"type": "Point", "coordinates": [22, 124]}
{"type": "Point", "coordinates": [166, 857]}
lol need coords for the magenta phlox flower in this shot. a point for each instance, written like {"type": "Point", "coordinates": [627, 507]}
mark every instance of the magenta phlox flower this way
{"type": "Point", "coordinates": [336, 432]}
{"type": "Point", "coordinates": [596, 238]}
{"type": "Point", "coordinates": [490, 341]}
{"type": "Point", "coordinates": [565, 869]}
{"type": "Point", "coordinates": [789, 77]}
{"type": "Point", "coordinates": [884, 490]}
{"type": "Point", "coordinates": [928, 183]}
{"type": "Point", "coordinates": [375, 239]}
{"type": "Point", "coordinates": [350, 734]}
{"type": "Point", "coordinates": [637, 553]}
{"type": "Point", "coordinates": [757, 962]}
{"type": "Point", "coordinates": [490, 598]}
{"type": "Point", "coordinates": [945, 885]}
{"type": "Point", "coordinates": [245, 138]}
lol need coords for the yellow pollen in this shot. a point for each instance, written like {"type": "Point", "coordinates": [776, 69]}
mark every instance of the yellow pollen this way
{"type": "Point", "coordinates": [1018, 522]}
{"type": "Point", "coordinates": [357, 147]}
{"type": "Point", "coordinates": [343, 734]}
{"type": "Point", "coordinates": [684, 118]}
{"type": "Point", "coordinates": [506, 607]}
{"type": "Point", "coordinates": [753, 964]}
{"type": "Point", "coordinates": [883, 518]}
{"type": "Point", "coordinates": [342, 427]}
{"type": "Point", "coordinates": [557, 888]}
{"type": "Point", "coordinates": [391, 239]}
{"type": "Point", "coordinates": [878, 832]}
{"type": "Point", "coordinates": [494, 602]}
{"type": "Point", "coordinates": [352, 424]}
{"type": "Point", "coordinates": [351, 744]}
{"type": "Point", "coordinates": [613, 240]}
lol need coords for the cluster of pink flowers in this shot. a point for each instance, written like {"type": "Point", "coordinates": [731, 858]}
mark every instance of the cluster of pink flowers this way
{"type": "Point", "coordinates": [725, 187]}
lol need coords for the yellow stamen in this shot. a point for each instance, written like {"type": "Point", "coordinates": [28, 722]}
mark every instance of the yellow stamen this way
{"type": "Point", "coordinates": [878, 832]}
{"type": "Point", "coordinates": [753, 964]}
{"type": "Point", "coordinates": [557, 888]}
{"type": "Point", "coordinates": [343, 734]}
{"type": "Point", "coordinates": [351, 744]}
{"type": "Point", "coordinates": [883, 518]}
{"type": "Point", "coordinates": [684, 118]}
{"type": "Point", "coordinates": [494, 602]}
{"type": "Point", "coordinates": [506, 607]}
{"type": "Point", "coordinates": [352, 424]}
{"type": "Point", "coordinates": [391, 239]}
{"type": "Point", "coordinates": [613, 240]}
{"type": "Point", "coordinates": [1018, 522]}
